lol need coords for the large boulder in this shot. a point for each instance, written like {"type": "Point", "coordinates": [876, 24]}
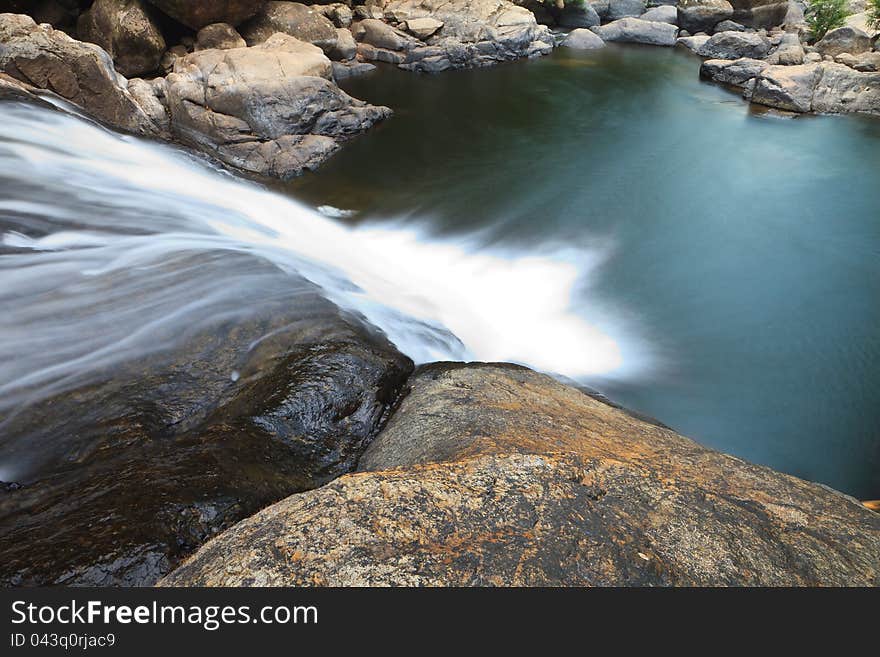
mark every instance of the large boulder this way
{"type": "Point", "coordinates": [634, 30]}
{"type": "Point", "coordinates": [661, 14]}
{"type": "Point", "coordinates": [612, 10]}
{"type": "Point", "coordinates": [496, 475]}
{"type": "Point", "coordinates": [735, 45]}
{"type": "Point", "coordinates": [583, 39]}
{"type": "Point", "coordinates": [760, 13]}
{"type": "Point", "coordinates": [291, 18]}
{"type": "Point", "coordinates": [220, 36]}
{"type": "Point", "coordinates": [813, 87]}
{"type": "Point", "coordinates": [125, 29]}
{"type": "Point", "coordinates": [574, 16]}
{"type": "Point", "coordinates": [198, 13]}
{"type": "Point", "coordinates": [844, 39]}
{"type": "Point", "coordinates": [789, 52]}
{"type": "Point", "coordinates": [81, 73]}
{"type": "Point", "coordinates": [702, 15]}
{"type": "Point", "coordinates": [271, 109]}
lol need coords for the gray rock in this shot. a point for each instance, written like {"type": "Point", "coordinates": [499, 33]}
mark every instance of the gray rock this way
{"type": "Point", "coordinates": [735, 45]}
{"type": "Point", "coordinates": [577, 16]}
{"type": "Point", "coordinates": [739, 73]}
{"type": "Point", "coordinates": [583, 39]}
{"type": "Point", "coordinates": [127, 32]}
{"type": "Point", "coordinates": [692, 43]}
{"type": "Point", "coordinates": [339, 14]}
{"type": "Point", "coordinates": [844, 39]}
{"type": "Point", "coordinates": [270, 109]}
{"type": "Point", "coordinates": [345, 70]}
{"type": "Point", "coordinates": [634, 30]}
{"type": "Point", "coordinates": [702, 15]}
{"type": "Point", "coordinates": [661, 14]}
{"type": "Point", "coordinates": [221, 36]}
{"type": "Point", "coordinates": [381, 35]}
{"type": "Point", "coordinates": [789, 52]}
{"type": "Point", "coordinates": [294, 19]}
{"type": "Point", "coordinates": [729, 26]}
{"type": "Point", "coordinates": [81, 73]}
{"type": "Point", "coordinates": [345, 48]}
{"type": "Point", "coordinates": [612, 10]}
{"type": "Point", "coordinates": [787, 87]}
{"type": "Point", "coordinates": [422, 28]}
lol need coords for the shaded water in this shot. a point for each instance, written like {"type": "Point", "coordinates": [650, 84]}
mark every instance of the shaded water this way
{"type": "Point", "coordinates": [741, 248]}
{"type": "Point", "coordinates": [602, 216]}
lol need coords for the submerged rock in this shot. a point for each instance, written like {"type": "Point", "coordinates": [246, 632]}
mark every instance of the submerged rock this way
{"type": "Point", "coordinates": [134, 470]}
{"type": "Point", "coordinates": [81, 73]}
{"type": "Point", "coordinates": [635, 30]}
{"type": "Point", "coordinates": [271, 109]}
{"type": "Point", "coordinates": [496, 475]}
{"type": "Point", "coordinates": [127, 32]}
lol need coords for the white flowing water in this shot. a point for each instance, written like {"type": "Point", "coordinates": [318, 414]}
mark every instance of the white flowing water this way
{"type": "Point", "coordinates": [100, 237]}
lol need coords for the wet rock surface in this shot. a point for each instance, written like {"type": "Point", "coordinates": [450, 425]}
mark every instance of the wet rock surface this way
{"type": "Point", "coordinates": [156, 456]}
{"type": "Point", "coordinates": [496, 475]}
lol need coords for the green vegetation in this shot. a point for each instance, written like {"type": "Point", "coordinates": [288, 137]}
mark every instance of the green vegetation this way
{"type": "Point", "coordinates": [825, 15]}
{"type": "Point", "coordinates": [874, 13]}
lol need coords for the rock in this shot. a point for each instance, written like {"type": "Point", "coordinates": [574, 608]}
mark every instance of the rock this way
{"type": "Point", "coordinates": [786, 87]}
{"type": "Point", "coordinates": [789, 52]}
{"type": "Point", "coordinates": [842, 89]}
{"type": "Point", "coordinates": [474, 33]}
{"type": "Point", "coordinates": [151, 98]}
{"type": "Point", "coordinates": [270, 109]}
{"type": "Point", "coordinates": [729, 26]}
{"type": "Point", "coordinates": [381, 35]}
{"type": "Point", "coordinates": [612, 10]}
{"type": "Point", "coordinates": [577, 16]}
{"type": "Point", "coordinates": [127, 32]}
{"type": "Point", "coordinates": [735, 45]}
{"type": "Point", "coordinates": [661, 14]}
{"type": "Point", "coordinates": [294, 19]}
{"type": "Point", "coordinates": [218, 36]}
{"type": "Point", "coordinates": [812, 58]}
{"type": "Point", "coordinates": [794, 16]}
{"type": "Point", "coordinates": [345, 70]}
{"type": "Point", "coordinates": [739, 73]}
{"type": "Point", "coordinates": [760, 13]}
{"type": "Point", "coordinates": [496, 475]}
{"type": "Point", "coordinates": [345, 48]}
{"type": "Point", "coordinates": [422, 28]}
{"type": "Point", "coordinates": [844, 39]}
{"type": "Point", "coordinates": [198, 13]}
{"type": "Point", "coordinates": [583, 39]}
{"type": "Point", "coordinates": [634, 30]}
{"type": "Point", "coordinates": [170, 449]}
{"type": "Point", "coordinates": [81, 73]}
{"type": "Point", "coordinates": [811, 87]}
{"type": "Point", "coordinates": [339, 14]}
{"type": "Point", "coordinates": [702, 15]}
{"type": "Point", "coordinates": [692, 43]}
{"type": "Point", "coordinates": [867, 62]}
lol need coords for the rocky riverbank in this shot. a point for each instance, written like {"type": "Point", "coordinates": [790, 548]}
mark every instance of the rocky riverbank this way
{"type": "Point", "coordinates": [255, 88]}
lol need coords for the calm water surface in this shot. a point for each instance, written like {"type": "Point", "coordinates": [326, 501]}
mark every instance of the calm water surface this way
{"type": "Point", "coordinates": [741, 247]}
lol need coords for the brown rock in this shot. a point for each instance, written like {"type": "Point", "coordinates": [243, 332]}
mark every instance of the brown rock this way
{"type": "Point", "coordinates": [82, 73]}
{"type": "Point", "coordinates": [221, 36]}
{"type": "Point", "coordinates": [496, 475]}
{"type": "Point", "coordinates": [294, 19]}
{"type": "Point", "coordinates": [125, 30]}
{"type": "Point", "coordinates": [198, 13]}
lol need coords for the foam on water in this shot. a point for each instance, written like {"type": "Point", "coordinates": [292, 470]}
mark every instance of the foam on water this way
{"type": "Point", "coordinates": [81, 204]}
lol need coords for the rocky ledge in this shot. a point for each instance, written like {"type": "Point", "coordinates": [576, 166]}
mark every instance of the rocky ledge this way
{"type": "Point", "coordinates": [493, 474]}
